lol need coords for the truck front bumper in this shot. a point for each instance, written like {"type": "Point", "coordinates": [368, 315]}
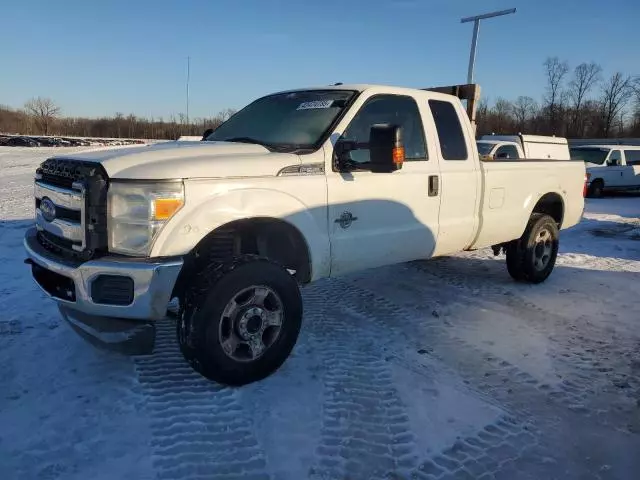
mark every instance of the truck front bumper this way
{"type": "Point", "coordinates": [112, 301]}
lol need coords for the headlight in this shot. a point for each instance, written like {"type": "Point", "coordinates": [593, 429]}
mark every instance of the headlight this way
{"type": "Point", "coordinates": [138, 211]}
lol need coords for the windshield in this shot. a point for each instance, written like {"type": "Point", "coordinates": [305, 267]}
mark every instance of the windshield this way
{"type": "Point", "coordinates": [484, 148]}
{"type": "Point", "coordinates": [286, 120]}
{"type": "Point", "coordinates": [589, 155]}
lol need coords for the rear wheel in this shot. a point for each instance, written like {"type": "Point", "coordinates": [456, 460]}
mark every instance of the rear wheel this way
{"type": "Point", "coordinates": [533, 257]}
{"type": "Point", "coordinates": [241, 320]}
{"type": "Point", "coordinates": [596, 189]}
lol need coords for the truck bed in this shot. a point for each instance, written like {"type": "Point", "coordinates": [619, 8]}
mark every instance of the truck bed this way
{"type": "Point", "coordinates": [508, 198]}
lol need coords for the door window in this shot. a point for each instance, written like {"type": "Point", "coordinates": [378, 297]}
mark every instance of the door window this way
{"type": "Point", "coordinates": [394, 110]}
{"type": "Point", "coordinates": [507, 151]}
{"type": "Point", "coordinates": [615, 159]}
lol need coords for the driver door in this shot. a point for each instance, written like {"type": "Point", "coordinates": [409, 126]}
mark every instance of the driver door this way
{"type": "Point", "coordinates": [383, 218]}
{"type": "Point", "coordinates": [614, 173]}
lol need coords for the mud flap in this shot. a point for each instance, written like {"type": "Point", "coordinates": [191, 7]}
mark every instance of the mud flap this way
{"type": "Point", "coordinates": [129, 337]}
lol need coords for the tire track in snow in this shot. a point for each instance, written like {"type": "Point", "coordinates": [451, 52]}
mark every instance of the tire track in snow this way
{"type": "Point", "coordinates": [490, 451]}
{"type": "Point", "coordinates": [589, 394]}
{"type": "Point", "coordinates": [592, 361]}
{"type": "Point", "coordinates": [487, 372]}
{"type": "Point", "coordinates": [366, 431]}
{"type": "Point", "coordinates": [199, 428]}
{"type": "Point", "coordinates": [494, 447]}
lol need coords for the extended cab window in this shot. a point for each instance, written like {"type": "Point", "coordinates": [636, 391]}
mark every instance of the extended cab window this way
{"type": "Point", "coordinates": [393, 109]}
{"type": "Point", "coordinates": [507, 151]}
{"type": "Point", "coordinates": [452, 141]}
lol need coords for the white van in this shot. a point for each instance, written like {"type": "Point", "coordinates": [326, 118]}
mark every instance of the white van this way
{"type": "Point", "coordinates": [501, 147]}
{"type": "Point", "coordinates": [609, 167]}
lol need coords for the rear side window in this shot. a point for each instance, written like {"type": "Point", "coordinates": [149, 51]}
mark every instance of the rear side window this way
{"type": "Point", "coordinates": [452, 141]}
{"type": "Point", "coordinates": [632, 157]}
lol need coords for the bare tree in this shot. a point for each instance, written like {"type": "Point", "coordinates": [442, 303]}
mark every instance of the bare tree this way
{"type": "Point", "coordinates": [43, 111]}
{"type": "Point", "coordinates": [555, 71]}
{"type": "Point", "coordinates": [119, 121]}
{"type": "Point", "coordinates": [585, 77]}
{"type": "Point", "coordinates": [225, 114]}
{"type": "Point", "coordinates": [502, 111]}
{"type": "Point", "coordinates": [524, 109]}
{"type": "Point", "coordinates": [616, 94]}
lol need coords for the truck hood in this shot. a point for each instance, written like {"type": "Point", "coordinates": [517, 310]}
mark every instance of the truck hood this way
{"type": "Point", "coordinates": [189, 160]}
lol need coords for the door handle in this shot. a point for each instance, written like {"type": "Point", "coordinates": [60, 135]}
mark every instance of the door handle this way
{"type": "Point", "coordinates": [434, 185]}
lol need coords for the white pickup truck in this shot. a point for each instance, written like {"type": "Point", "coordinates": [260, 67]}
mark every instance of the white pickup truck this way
{"type": "Point", "coordinates": [295, 187]}
{"type": "Point", "coordinates": [497, 147]}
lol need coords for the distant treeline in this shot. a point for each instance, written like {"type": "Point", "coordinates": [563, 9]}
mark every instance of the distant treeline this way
{"type": "Point", "coordinates": [577, 103]}
{"type": "Point", "coordinates": [41, 116]}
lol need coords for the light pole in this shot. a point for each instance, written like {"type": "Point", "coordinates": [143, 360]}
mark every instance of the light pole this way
{"type": "Point", "coordinates": [188, 75]}
{"type": "Point", "coordinates": [474, 42]}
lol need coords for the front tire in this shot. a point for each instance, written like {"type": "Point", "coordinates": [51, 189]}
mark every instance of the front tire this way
{"type": "Point", "coordinates": [532, 258]}
{"type": "Point", "coordinates": [596, 189]}
{"type": "Point", "coordinates": [241, 320]}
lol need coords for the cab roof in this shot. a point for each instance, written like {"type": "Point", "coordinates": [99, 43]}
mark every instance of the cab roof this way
{"type": "Point", "coordinates": [362, 87]}
{"type": "Point", "coordinates": [609, 146]}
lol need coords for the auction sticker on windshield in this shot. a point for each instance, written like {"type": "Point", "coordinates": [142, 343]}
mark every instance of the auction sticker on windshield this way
{"type": "Point", "coordinates": [315, 104]}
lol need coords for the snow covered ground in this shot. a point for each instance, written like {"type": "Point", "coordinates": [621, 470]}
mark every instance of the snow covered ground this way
{"type": "Point", "coordinates": [439, 369]}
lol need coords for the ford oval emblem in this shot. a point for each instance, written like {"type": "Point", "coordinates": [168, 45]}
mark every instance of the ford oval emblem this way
{"type": "Point", "coordinates": [48, 209]}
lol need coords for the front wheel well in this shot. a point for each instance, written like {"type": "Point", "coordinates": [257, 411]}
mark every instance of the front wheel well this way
{"type": "Point", "coordinates": [271, 238]}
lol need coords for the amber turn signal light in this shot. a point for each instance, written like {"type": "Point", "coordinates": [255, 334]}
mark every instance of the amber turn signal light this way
{"type": "Point", "coordinates": [164, 208]}
{"type": "Point", "coordinates": [398, 155]}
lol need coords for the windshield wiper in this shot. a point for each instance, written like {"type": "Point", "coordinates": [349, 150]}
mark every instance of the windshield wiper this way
{"type": "Point", "coordinates": [245, 140]}
{"type": "Point", "coordinates": [280, 147]}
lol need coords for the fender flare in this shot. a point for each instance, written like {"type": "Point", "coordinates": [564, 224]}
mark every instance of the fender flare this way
{"type": "Point", "coordinates": [533, 200]}
{"type": "Point", "coordinates": [193, 223]}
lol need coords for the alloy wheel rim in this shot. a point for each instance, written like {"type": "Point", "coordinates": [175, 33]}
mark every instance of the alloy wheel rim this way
{"type": "Point", "coordinates": [251, 322]}
{"type": "Point", "coordinates": [543, 249]}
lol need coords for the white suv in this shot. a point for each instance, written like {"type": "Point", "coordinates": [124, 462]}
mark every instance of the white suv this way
{"type": "Point", "coordinates": [609, 167]}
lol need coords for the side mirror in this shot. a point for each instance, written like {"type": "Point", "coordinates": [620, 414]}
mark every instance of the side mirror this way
{"type": "Point", "coordinates": [613, 163]}
{"type": "Point", "coordinates": [502, 155]}
{"type": "Point", "coordinates": [386, 150]}
{"type": "Point", "coordinates": [206, 133]}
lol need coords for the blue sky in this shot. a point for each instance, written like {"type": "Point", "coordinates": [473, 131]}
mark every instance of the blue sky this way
{"type": "Point", "coordinates": [97, 58]}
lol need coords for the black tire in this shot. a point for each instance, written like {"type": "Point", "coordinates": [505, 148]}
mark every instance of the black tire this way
{"type": "Point", "coordinates": [596, 189]}
{"type": "Point", "coordinates": [531, 258]}
{"type": "Point", "coordinates": [204, 321]}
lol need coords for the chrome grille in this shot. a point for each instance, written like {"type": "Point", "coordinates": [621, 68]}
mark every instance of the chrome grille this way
{"type": "Point", "coordinates": [61, 197]}
{"type": "Point", "coordinates": [71, 200]}
{"type": "Point", "coordinates": [71, 207]}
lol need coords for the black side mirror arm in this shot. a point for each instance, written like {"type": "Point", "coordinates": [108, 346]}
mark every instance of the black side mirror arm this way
{"type": "Point", "coordinates": [341, 160]}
